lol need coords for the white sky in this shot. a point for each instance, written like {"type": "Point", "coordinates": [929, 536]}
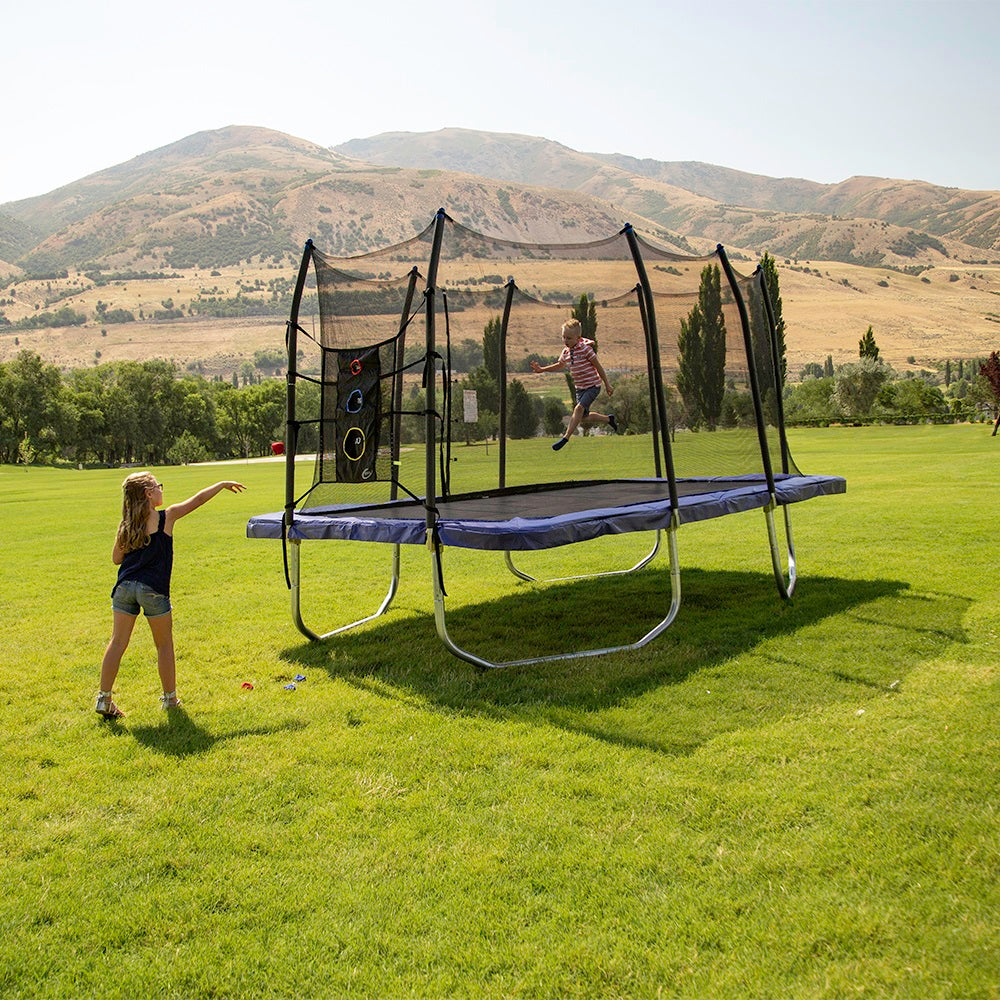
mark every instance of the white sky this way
{"type": "Point", "coordinates": [787, 88]}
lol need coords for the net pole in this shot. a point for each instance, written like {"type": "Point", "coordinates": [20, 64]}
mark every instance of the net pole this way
{"type": "Point", "coordinates": [779, 380]}
{"type": "Point", "coordinates": [653, 360]}
{"type": "Point", "coordinates": [397, 382]}
{"type": "Point", "coordinates": [503, 381]}
{"type": "Point", "coordinates": [430, 429]}
{"type": "Point", "coordinates": [291, 377]}
{"type": "Point", "coordinates": [758, 408]}
{"type": "Point", "coordinates": [657, 464]}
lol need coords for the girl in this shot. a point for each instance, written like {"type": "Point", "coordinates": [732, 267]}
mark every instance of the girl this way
{"type": "Point", "coordinates": [144, 551]}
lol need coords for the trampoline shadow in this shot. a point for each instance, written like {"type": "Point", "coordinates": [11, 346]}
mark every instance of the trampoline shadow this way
{"type": "Point", "coordinates": [724, 615]}
{"type": "Point", "coordinates": [180, 736]}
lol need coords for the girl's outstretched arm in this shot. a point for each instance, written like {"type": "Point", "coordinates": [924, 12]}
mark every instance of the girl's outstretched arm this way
{"type": "Point", "coordinates": [178, 510]}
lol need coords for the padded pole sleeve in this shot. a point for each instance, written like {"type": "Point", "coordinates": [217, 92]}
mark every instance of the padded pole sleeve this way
{"type": "Point", "coordinates": [779, 379]}
{"type": "Point", "coordinates": [431, 427]}
{"type": "Point", "coordinates": [291, 342]}
{"type": "Point", "coordinates": [758, 408]}
{"type": "Point", "coordinates": [653, 360]}
{"type": "Point", "coordinates": [503, 381]}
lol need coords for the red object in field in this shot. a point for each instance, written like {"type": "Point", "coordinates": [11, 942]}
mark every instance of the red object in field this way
{"type": "Point", "coordinates": [277, 447]}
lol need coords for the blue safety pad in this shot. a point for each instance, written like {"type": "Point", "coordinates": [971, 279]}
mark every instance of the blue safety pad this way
{"type": "Point", "coordinates": [404, 522]}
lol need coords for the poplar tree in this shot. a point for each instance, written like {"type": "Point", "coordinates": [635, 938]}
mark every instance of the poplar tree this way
{"type": "Point", "coordinates": [867, 348]}
{"type": "Point", "coordinates": [585, 311]}
{"type": "Point", "coordinates": [701, 374]}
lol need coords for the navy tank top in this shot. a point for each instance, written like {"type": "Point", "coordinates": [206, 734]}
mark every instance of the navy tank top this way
{"type": "Point", "coordinates": [152, 563]}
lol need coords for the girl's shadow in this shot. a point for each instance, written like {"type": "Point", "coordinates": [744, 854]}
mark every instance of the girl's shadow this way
{"type": "Point", "coordinates": [181, 736]}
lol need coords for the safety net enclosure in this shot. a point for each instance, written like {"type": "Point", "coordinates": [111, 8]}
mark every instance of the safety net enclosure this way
{"type": "Point", "coordinates": [376, 343]}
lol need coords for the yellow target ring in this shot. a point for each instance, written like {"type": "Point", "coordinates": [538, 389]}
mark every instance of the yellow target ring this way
{"type": "Point", "coordinates": [355, 444]}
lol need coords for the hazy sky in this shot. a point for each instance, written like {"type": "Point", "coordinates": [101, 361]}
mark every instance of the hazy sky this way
{"type": "Point", "coordinates": [789, 89]}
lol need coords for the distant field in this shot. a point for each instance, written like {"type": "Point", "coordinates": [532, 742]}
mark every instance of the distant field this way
{"type": "Point", "coordinates": [928, 317]}
{"type": "Point", "coordinates": [770, 800]}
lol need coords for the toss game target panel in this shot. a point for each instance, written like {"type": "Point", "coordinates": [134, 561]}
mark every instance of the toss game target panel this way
{"type": "Point", "coordinates": [357, 416]}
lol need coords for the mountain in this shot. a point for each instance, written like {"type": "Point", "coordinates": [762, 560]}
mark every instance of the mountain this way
{"type": "Point", "coordinates": [188, 252]}
{"type": "Point", "coordinates": [237, 194]}
{"type": "Point", "coordinates": [972, 217]}
{"type": "Point", "coordinates": [217, 198]}
{"type": "Point", "coordinates": [865, 220]}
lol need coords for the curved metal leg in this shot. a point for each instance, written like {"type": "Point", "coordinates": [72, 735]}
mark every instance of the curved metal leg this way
{"type": "Point", "coordinates": [294, 573]}
{"type": "Point", "coordinates": [481, 662]}
{"type": "Point", "coordinates": [786, 589]}
{"type": "Point", "coordinates": [508, 559]}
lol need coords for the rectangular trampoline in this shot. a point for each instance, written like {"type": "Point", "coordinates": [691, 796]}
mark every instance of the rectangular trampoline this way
{"type": "Point", "coordinates": [705, 407]}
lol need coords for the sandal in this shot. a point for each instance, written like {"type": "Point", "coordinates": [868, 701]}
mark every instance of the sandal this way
{"type": "Point", "coordinates": [105, 706]}
{"type": "Point", "coordinates": [169, 700]}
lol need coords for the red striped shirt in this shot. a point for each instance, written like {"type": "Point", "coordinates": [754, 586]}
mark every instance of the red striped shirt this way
{"type": "Point", "coordinates": [581, 363]}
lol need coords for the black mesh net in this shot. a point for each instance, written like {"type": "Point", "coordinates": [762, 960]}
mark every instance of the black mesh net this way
{"type": "Point", "coordinates": [366, 379]}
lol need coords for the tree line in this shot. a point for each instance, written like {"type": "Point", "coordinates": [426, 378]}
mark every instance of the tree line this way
{"type": "Point", "coordinates": [126, 412]}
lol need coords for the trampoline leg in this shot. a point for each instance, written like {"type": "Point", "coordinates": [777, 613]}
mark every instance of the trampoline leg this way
{"type": "Point", "coordinates": [484, 664]}
{"type": "Point", "coordinates": [294, 572]}
{"type": "Point", "coordinates": [785, 589]}
{"type": "Point", "coordinates": [509, 560]}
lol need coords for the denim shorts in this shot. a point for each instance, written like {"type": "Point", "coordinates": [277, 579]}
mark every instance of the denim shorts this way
{"type": "Point", "coordinates": [130, 596]}
{"type": "Point", "coordinates": [586, 397]}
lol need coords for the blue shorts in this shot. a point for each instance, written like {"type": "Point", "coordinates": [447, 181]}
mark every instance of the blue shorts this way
{"type": "Point", "coordinates": [130, 596]}
{"type": "Point", "coordinates": [586, 397]}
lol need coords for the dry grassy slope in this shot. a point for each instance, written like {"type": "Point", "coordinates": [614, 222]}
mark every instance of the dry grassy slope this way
{"type": "Point", "coordinates": [275, 190]}
{"type": "Point", "coordinates": [223, 197]}
{"type": "Point", "coordinates": [972, 217]}
{"type": "Point", "coordinates": [928, 318]}
{"type": "Point", "coordinates": [789, 216]}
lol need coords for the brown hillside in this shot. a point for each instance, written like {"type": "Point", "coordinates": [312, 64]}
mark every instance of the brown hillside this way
{"type": "Point", "coordinates": [925, 224]}
{"type": "Point", "coordinates": [220, 217]}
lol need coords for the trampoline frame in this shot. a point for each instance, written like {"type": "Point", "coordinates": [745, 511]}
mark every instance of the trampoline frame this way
{"type": "Point", "coordinates": [783, 562]}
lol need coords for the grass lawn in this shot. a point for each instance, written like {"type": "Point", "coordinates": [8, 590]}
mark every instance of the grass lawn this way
{"type": "Point", "coordinates": [771, 800]}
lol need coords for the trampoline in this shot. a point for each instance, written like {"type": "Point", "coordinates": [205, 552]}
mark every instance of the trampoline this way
{"type": "Point", "coordinates": [357, 493]}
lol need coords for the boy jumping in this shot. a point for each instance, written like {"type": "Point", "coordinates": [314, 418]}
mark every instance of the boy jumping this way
{"type": "Point", "coordinates": [587, 374]}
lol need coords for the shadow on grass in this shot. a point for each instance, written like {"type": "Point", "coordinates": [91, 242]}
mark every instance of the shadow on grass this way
{"type": "Point", "coordinates": [180, 736]}
{"type": "Point", "coordinates": [837, 640]}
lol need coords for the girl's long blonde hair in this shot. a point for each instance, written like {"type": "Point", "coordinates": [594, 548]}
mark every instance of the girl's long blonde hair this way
{"type": "Point", "coordinates": [132, 532]}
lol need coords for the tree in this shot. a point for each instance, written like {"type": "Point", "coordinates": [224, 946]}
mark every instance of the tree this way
{"type": "Point", "coordinates": [522, 419]}
{"type": "Point", "coordinates": [485, 386]}
{"type": "Point", "coordinates": [914, 397]}
{"type": "Point", "coordinates": [701, 374]}
{"type": "Point", "coordinates": [632, 403]}
{"type": "Point", "coordinates": [770, 271]}
{"type": "Point", "coordinates": [553, 415]}
{"type": "Point", "coordinates": [857, 386]}
{"type": "Point", "coordinates": [989, 371]}
{"type": "Point", "coordinates": [828, 367]}
{"type": "Point", "coordinates": [186, 449]}
{"type": "Point", "coordinates": [585, 311]}
{"type": "Point", "coordinates": [867, 348]}
{"type": "Point", "coordinates": [811, 401]}
{"type": "Point", "coordinates": [491, 348]}
{"type": "Point", "coordinates": [31, 407]}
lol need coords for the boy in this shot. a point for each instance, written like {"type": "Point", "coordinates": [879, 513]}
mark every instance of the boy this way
{"type": "Point", "coordinates": [587, 374]}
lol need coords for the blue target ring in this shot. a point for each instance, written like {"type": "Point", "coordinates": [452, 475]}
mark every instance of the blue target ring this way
{"type": "Point", "coordinates": [354, 401]}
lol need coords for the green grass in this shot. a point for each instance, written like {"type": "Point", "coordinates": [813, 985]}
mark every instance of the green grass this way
{"type": "Point", "coordinates": [768, 801]}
